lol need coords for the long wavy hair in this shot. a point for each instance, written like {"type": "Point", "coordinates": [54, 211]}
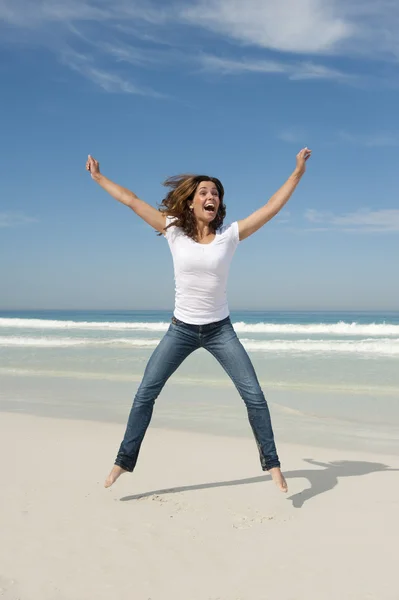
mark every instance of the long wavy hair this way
{"type": "Point", "coordinates": [177, 203]}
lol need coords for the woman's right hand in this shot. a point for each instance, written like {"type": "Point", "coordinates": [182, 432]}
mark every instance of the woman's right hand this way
{"type": "Point", "coordinates": [148, 213]}
{"type": "Point", "coordinates": [93, 167]}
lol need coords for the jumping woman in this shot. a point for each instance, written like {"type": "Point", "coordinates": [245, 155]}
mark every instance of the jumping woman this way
{"type": "Point", "coordinates": [191, 220]}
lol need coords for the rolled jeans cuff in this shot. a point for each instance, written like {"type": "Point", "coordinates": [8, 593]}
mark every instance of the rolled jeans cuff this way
{"type": "Point", "coordinates": [270, 465]}
{"type": "Point", "coordinates": [120, 463]}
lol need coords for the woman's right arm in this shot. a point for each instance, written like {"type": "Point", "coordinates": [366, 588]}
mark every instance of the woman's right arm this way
{"type": "Point", "coordinates": [148, 213]}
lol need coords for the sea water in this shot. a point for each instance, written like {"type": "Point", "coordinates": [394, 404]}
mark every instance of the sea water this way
{"type": "Point", "coordinates": [329, 377]}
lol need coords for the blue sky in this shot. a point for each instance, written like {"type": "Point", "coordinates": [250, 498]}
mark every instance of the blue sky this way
{"type": "Point", "coordinates": [224, 87]}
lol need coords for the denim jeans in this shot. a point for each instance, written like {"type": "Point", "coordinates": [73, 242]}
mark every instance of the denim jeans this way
{"type": "Point", "coordinates": [182, 339]}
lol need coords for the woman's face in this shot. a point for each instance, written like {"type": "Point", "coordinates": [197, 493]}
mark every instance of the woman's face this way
{"type": "Point", "coordinates": [206, 201]}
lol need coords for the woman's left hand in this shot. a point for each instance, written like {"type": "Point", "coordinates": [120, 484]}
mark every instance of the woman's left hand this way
{"type": "Point", "coordinates": [301, 159]}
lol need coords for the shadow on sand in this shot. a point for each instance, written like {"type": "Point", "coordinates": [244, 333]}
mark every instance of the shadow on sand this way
{"type": "Point", "coordinates": [321, 480]}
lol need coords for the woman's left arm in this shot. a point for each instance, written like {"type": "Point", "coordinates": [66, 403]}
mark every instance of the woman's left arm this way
{"type": "Point", "coordinates": [256, 220]}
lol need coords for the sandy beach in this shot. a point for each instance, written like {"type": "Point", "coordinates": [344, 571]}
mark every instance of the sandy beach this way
{"type": "Point", "coordinates": [197, 521]}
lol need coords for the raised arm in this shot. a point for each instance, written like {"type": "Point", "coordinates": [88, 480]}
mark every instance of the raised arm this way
{"type": "Point", "coordinates": [257, 219]}
{"type": "Point", "coordinates": [148, 213]}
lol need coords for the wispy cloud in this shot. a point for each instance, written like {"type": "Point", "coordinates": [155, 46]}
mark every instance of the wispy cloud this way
{"type": "Point", "coordinates": [295, 71]}
{"type": "Point", "coordinates": [371, 140]}
{"type": "Point", "coordinates": [55, 24]}
{"type": "Point", "coordinates": [144, 56]}
{"type": "Point", "coordinates": [227, 66]}
{"type": "Point", "coordinates": [362, 220]}
{"type": "Point", "coordinates": [234, 67]}
{"type": "Point", "coordinates": [108, 81]}
{"type": "Point", "coordinates": [367, 27]}
{"type": "Point", "coordinates": [130, 54]}
{"type": "Point", "coordinates": [309, 70]}
{"type": "Point", "coordinates": [304, 27]}
{"type": "Point", "coordinates": [293, 135]}
{"type": "Point", "coordinates": [283, 217]}
{"type": "Point", "coordinates": [15, 219]}
{"type": "Point", "coordinates": [29, 14]}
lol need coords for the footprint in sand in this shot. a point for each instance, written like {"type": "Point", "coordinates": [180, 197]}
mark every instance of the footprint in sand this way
{"type": "Point", "coordinates": [253, 519]}
{"type": "Point", "coordinates": [247, 521]}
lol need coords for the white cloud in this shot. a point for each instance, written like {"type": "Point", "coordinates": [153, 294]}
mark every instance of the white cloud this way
{"type": "Point", "coordinates": [377, 24]}
{"type": "Point", "coordinates": [307, 27]}
{"type": "Point", "coordinates": [367, 27]}
{"type": "Point", "coordinates": [304, 26]}
{"type": "Point", "coordinates": [345, 27]}
{"type": "Point", "coordinates": [15, 219]}
{"type": "Point", "coordinates": [362, 220]}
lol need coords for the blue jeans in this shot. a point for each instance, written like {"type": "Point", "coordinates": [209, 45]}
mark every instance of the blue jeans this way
{"type": "Point", "coordinates": [182, 339]}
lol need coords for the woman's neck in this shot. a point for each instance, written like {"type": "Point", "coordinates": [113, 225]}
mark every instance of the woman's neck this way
{"type": "Point", "coordinates": [203, 230]}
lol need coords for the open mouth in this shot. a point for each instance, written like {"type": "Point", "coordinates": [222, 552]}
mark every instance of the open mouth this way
{"type": "Point", "coordinates": [210, 207]}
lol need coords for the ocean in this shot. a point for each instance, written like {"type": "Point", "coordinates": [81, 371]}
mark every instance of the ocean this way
{"type": "Point", "coordinates": [329, 377]}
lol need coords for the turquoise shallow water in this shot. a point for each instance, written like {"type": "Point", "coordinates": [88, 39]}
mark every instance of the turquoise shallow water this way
{"type": "Point", "coordinates": [301, 349]}
{"type": "Point", "coordinates": [322, 372]}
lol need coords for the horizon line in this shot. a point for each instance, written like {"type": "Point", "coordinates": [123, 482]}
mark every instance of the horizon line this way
{"type": "Point", "coordinates": [170, 310]}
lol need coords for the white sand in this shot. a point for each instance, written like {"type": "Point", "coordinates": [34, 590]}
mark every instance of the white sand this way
{"type": "Point", "coordinates": [209, 524]}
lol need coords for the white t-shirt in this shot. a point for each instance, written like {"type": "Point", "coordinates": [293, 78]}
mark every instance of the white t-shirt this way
{"type": "Point", "coordinates": [201, 272]}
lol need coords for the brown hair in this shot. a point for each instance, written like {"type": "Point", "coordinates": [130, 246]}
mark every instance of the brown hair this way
{"type": "Point", "coordinates": [177, 203]}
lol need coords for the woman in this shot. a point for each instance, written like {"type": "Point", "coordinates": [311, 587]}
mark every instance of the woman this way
{"type": "Point", "coordinates": [191, 219]}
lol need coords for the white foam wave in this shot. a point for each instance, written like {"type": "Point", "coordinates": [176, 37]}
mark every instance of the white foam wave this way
{"type": "Point", "coordinates": [380, 347]}
{"type": "Point", "coordinates": [370, 346]}
{"type": "Point", "coordinates": [36, 342]}
{"type": "Point", "coordinates": [335, 329]}
{"type": "Point", "coordinates": [83, 325]}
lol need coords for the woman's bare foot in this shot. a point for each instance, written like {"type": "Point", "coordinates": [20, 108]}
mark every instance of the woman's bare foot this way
{"type": "Point", "coordinates": [278, 479]}
{"type": "Point", "coordinates": [113, 476]}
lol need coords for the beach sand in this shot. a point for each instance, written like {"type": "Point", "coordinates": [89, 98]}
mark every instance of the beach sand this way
{"type": "Point", "coordinates": [198, 520]}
